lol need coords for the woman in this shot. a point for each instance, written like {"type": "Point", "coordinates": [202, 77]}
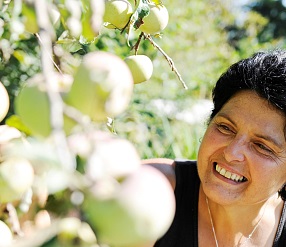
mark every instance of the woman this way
{"type": "Point", "coordinates": [233, 195]}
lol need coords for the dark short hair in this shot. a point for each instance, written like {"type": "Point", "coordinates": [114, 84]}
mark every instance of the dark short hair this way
{"type": "Point", "coordinates": [264, 73]}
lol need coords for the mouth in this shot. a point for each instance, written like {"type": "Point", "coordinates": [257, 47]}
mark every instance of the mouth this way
{"type": "Point", "coordinates": [229, 175]}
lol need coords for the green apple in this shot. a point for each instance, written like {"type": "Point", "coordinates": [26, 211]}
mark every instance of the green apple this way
{"type": "Point", "coordinates": [72, 230]}
{"type": "Point", "coordinates": [102, 86]}
{"type": "Point", "coordinates": [4, 102]}
{"type": "Point", "coordinates": [111, 157]}
{"type": "Point", "coordinates": [16, 177]}
{"type": "Point", "coordinates": [117, 13]}
{"type": "Point", "coordinates": [140, 66]}
{"type": "Point", "coordinates": [157, 19]}
{"type": "Point", "coordinates": [106, 155]}
{"type": "Point", "coordinates": [6, 236]}
{"type": "Point", "coordinates": [139, 212]}
{"type": "Point", "coordinates": [33, 106]}
{"type": "Point", "coordinates": [8, 133]}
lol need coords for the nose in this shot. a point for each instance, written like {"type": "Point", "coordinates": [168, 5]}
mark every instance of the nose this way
{"type": "Point", "coordinates": [235, 150]}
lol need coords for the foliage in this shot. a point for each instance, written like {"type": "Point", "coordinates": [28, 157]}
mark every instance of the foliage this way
{"type": "Point", "coordinates": [274, 12]}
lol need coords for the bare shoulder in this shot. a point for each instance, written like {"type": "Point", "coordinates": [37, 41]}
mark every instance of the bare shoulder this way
{"type": "Point", "coordinates": [166, 166]}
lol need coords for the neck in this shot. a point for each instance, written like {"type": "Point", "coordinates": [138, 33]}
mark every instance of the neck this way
{"type": "Point", "coordinates": [234, 224]}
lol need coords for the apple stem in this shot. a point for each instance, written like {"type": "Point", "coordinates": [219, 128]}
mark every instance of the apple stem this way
{"type": "Point", "coordinates": [136, 46]}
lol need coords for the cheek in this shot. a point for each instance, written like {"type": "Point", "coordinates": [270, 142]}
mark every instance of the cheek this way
{"type": "Point", "coordinates": [268, 173]}
{"type": "Point", "coordinates": [210, 143]}
{"type": "Point", "coordinates": [208, 147]}
{"type": "Point", "coordinates": [279, 176]}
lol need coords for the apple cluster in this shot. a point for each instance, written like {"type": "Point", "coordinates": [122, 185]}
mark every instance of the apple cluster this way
{"type": "Point", "coordinates": [116, 201]}
{"type": "Point", "coordinates": [118, 15]}
{"type": "Point", "coordinates": [123, 202]}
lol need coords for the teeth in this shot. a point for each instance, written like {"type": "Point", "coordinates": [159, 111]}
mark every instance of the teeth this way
{"type": "Point", "coordinates": [222, 172]}
{"type": "Point", "coordinates": [228, 174]}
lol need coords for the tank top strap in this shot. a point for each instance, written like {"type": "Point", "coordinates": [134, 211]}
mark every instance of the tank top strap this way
{"type": "Point", "coordinates": [280, 237]}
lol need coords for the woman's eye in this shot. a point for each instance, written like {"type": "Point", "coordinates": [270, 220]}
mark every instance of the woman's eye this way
{"type": "Point", "coordinates": [263, 148]}
{"type": "Point", "coordinates": [224, 128]}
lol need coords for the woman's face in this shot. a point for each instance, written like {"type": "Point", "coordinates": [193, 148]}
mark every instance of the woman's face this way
{"type": "Point", "coordinates": [242, 157]}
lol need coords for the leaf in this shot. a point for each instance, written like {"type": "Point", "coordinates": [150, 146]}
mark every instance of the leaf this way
{"type": "Point", "coordinates": [29, 18]}
{"type": "Point", "coordinates": [68, 43]}
{"type": "Point", "coordinates": [110, 125]}
{"type": "Point", "coordinates": [87, 30]}
{"type": "Point", "coordinates": [142, 10]}
{"type": "Point", "coordinates": [15, 121]}
{"type": "Point", "coordinates": [157, 2]}
{"type": "Point", "coordinates": [19, 55]}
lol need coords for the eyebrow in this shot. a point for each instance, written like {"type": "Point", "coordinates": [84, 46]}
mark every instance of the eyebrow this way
{"type": "Point", "coordinates": [261, 136]}
{"type": "Point", "coordinates": [270, 139]}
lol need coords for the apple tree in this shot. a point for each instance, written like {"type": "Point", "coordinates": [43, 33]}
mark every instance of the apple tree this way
{"type": "Point", "coordinates": [66, 177]}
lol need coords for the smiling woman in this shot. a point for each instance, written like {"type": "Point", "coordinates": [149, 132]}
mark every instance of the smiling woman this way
{"type": "Point", "coordinates": [230, 195]}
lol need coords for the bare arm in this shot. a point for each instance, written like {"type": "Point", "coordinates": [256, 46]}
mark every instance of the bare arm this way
{"type": "Point", "coordinates": [166, 166]}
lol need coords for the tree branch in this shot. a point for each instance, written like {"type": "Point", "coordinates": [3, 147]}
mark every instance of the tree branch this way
{"type": "Point", "coordinates": [170, 61]}
{"type": "Point", "coordinates": [46, 36]}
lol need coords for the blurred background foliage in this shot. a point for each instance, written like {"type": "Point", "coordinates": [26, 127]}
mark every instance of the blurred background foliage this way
{"type": "Point", "coordinates": [203, 38]}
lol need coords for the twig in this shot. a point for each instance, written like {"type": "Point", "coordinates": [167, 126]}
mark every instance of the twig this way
{"type": "Point", "coordinates": [98, 8]}
{"type": "Point", "coordinates": [136, 46]}
{"type": "Point", "coordinates": [41, 42]}
{"type": "Point", "coordinates": [13, 218]}
{"type": "Point", "coordinates": [57, 121]}
{"type": "Point", "coordinates": [76, 115]}
{"type": "Point", "coordinates": [170, 61]}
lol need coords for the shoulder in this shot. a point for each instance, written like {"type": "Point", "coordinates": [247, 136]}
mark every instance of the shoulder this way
{"type": "Point", "coordinates": [169, 167]}
{"type": "Point", "coordinates": [166, 166]}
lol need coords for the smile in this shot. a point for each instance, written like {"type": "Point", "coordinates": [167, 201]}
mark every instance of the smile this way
{"type": "Point", "coordinates": [229, 175]}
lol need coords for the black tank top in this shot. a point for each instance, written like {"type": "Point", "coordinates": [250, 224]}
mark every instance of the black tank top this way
{"type": "Point", "coordinates": [184, 230]}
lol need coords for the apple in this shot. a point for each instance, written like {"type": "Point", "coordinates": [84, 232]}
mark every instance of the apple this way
{"type": "Point", "coordinates": [111, 157]}
{"type": "Point", "coordinates": [140, 66]}
{"type": "Point", "coordinates": [6, 236]}
{"type": "Point", "coordinates": [16, 177]}
{"type": "Point", "coordinates": [139, 212]}
{"type": "Point", "coordinates": [8, 133]}
{"type": "Point", "coordinates": [117, 13]}
{"type": "Point", "coordinates": [157, 19]}
{"type": "Point", "coordinates": [72, 229]}
{"type": "Point", "coordinates": [33, 107]}
{"type": "Point", "coordinates": [102, 86]}
{"type": "Point", "coordinates": [4, 102]}
{"type": "Point", "coordinates": [42, 219]}
{"type": "Point", "coordinates": [106, 155]}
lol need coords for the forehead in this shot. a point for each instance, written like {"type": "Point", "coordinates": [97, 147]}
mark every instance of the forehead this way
{"type": "Point", "coordinates": [249, 109]}
{"type": "Point", "coordinates": [253, 102]}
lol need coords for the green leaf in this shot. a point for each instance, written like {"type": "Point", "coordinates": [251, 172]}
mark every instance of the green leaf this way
{"type": "Point", "coordinates": [68, 43]}
{"type": "Point", "coordinates": [30, 18]}
{"type": "Point", "coordinates": [141, 11]}
{"type": "Point", "coordinates": [157, 2]}
{"type": "Point", "coordinates": [87, 30]}
{"type": "Point", "coordinates": [15, 121]}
